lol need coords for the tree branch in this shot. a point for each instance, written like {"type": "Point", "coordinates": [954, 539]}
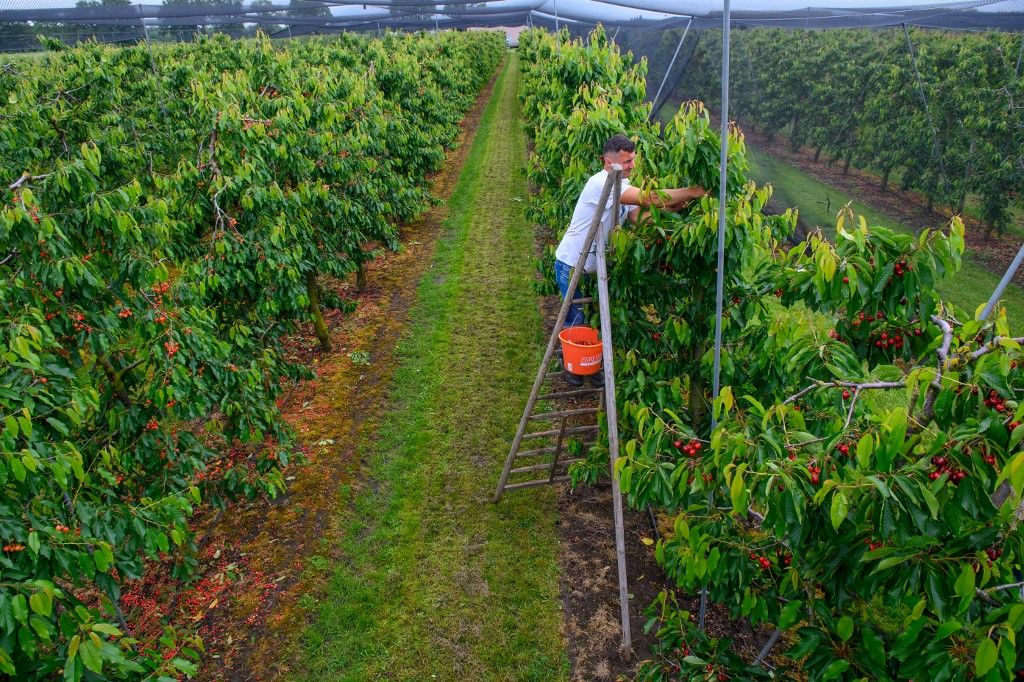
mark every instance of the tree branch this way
{"type": "Point", "coordinates": [993, 345]}
{"type": "Point", "coordinates": [863, 386]}
{"type": "Point", "coordinates": [26, 178]}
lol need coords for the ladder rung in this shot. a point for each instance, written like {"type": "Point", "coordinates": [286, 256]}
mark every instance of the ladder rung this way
{"type": "Point", "coordinates": [569, 394]}
{"type": "Point", "coordinates": [575, 429]}
{"type": "Point", "coordinates": [565, 413]}
{"type": "Point", "coordinates": [533, 453]}
{"type": "Point", "coordinates": [544, 467]}
{"type": "Point", "coordinates": [552, 375]}
{"type": "Point", "coordinates": [585, 299]}
{"type": "Point", "coordinates": [539, 481]}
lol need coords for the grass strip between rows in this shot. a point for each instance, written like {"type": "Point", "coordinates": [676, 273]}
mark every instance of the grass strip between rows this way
{"type": "Point", "coordinates": [434, 581]}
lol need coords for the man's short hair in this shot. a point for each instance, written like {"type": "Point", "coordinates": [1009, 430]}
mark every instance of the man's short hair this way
{"type": "Point", "coordinates": [619, 143]}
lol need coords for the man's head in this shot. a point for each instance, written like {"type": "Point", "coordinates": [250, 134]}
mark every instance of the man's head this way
{"type": "Point", "coordinates": [621, 150]}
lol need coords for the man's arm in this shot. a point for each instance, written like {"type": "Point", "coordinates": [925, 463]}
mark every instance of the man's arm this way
{"type": "Point", "coordinates": [672, 198]}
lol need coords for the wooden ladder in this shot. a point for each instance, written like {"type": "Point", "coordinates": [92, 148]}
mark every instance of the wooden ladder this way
{"type": "Point", "coordinates": [606, 401]}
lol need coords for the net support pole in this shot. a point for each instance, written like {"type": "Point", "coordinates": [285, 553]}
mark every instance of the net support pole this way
{"type": "Point", "coordinates": [927, 110]}
{"type": "Point", "coordinates": [1003, 283]}
{"type": "Point", "coordinates": [1020, 53]}
{"type": "Point", "coordinates": [723, 173]}
{"type": "Point", "coordinates": [671, 63]}
{"type": "Point", "coordinates": [556, 16]}
{"type": "Point", "coordinates": [610, 407]}
{"type": "Point", "coordinates": [616, 35]}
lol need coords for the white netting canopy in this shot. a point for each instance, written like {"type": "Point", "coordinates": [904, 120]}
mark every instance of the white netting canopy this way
{"type": "Point", "coordinates": [123, 20]}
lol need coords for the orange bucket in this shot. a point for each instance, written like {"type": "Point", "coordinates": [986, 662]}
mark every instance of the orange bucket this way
{"type": "Point", "coordinates": [581, 350]}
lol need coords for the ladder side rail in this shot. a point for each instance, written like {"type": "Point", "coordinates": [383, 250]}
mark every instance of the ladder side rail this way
{"type": "Point", "coordinates": [611, 415]}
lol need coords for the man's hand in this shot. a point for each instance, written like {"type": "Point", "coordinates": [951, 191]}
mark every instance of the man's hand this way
{"type": "Point", "coordinates": [691, 193]}
{"type": "Point", "coordinates": [671, 199]}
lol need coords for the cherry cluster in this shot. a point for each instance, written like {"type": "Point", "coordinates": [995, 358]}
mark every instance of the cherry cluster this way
{"type": "Point", "coordinates": [872, 545]}
{"type": "Point", "coordinates": [762, 561]}
{"type": "Point", "coordinates": [943, 466]}
{"type": "Point", "coordinates": [691, 449]}
{"type": "Point", "coordinates": [995, 401]}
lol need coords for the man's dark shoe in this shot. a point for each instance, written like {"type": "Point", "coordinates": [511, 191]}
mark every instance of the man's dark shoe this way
{"type": "Point", "coordinates": [574, 380]}
{"type": "Point", "coordinates": [597, 379]}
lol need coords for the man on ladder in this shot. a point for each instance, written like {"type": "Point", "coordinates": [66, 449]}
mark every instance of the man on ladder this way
{"type": "Point", "coordinates": [620, 150]}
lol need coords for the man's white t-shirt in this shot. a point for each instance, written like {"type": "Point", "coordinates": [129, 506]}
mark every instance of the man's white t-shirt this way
{"type": "Point", "coordinates": [571, 246]}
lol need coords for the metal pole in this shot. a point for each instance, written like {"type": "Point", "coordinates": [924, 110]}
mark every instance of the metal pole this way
{"type": "Point", "coordinates": [723, 174]}
{"type": "Point", "coordinates": [556, 16]}
{"type": "Point", "coordinates": [616, 34]}
{"type": "Point", "coordinates": [611, 412]}
{"type": "Point", "coordinates": [669, 69]}
{"type": "Point", "coordinates": [1003, 283]}
{"type": "Point", "coordinates": [927, 112]}
{"type": "Point", "coordinates": [559, 321]}
{"type": "Point", "coordinates": [1020, 53]}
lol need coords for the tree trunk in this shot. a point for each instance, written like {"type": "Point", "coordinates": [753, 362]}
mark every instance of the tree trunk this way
{"type": "Point", "coordinates": [697, 408]}
{"type": "Point", "coordinates": [360, 279]}
{"type": "Point", "coordinates": [885, 179]}
{"type": "Point", "coordinates": [846, 162]}
{"type": "Point", "coordinates": [931, 203]}
{"type": "Point", "coordinates": [116, 383]}
{"type": "Point", "coordinates": [817, 154]}
{"type": "Point", "coordinates": [319, 326]}
{"type": "Point", "coordinates": [967, 175]}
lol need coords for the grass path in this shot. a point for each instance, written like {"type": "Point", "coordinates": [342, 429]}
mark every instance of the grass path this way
{"type": "Point", "coordinates": [432, 580]}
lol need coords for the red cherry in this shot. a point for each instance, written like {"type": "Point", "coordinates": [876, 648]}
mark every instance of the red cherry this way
{"type": "Point", "coordinates": [846, 395]}
{"type": "Point", "coordinates": [846, 280]}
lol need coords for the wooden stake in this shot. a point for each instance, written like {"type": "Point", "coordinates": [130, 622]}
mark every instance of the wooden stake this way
{"type": "Point", "coordinates": [611, 412]}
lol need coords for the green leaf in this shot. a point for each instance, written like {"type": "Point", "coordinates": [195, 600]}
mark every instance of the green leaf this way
{"type": "Point", "coordinates": [844, 628]}
{"type": "Point", "coordinates": [840, 507]}
{"type": "Point", "coordinates": [964, 586]}
{"type": "Point", "coordinates": [103, 558]}
{"type": "Point", "coordinates": [106, 629]}
{"type": "Point", "coordinates": [930, 500]}
{"type": "Point", "coordinates": [986, 657]}
{"type": "Point", "coordinates": [41, 603]}
{"type": "Point", "coordinates": [890, 562]}
{"type": "Point", "coordinates": [90, 655]}
{"type": "Point", "coordinates": [835, 669]}
{"type": "Point", "coordinates": [33, 542]}
{"type": "Point", "coordinates": [738, 493]}
{"type": "Point", "coordinates": [790, 614]}
{"type": "Point", "coordinates": [865, 446]}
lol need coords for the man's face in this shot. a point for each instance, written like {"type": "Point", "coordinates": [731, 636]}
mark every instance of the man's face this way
{"type": "Point", "coordinates": [624, 159]}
